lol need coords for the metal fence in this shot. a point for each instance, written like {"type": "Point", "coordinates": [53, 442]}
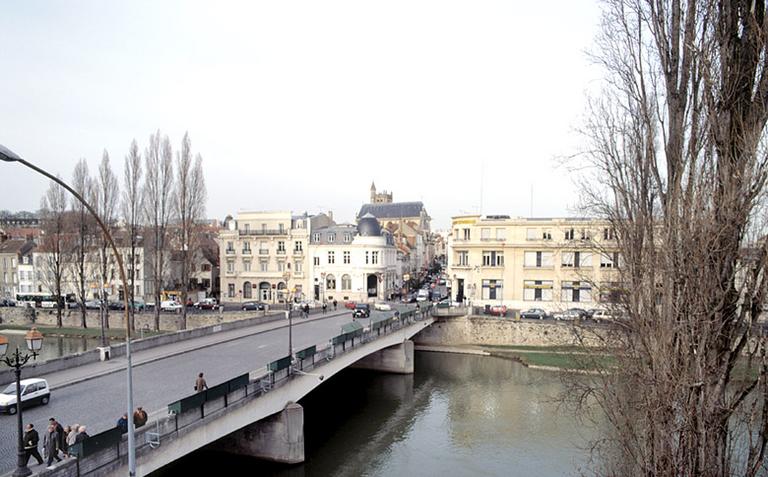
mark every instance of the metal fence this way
{"type": "Point", "coordinates": [107, 451]}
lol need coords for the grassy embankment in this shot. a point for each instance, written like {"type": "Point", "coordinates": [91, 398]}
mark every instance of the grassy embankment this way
{"type": "Point", "coordinates": [112, 333]}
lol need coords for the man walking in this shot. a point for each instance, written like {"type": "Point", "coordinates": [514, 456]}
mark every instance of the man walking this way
{"type": "Point", "coordinates": [31, 439]}
{"type": "Point", "coordinates": [334, 304]}
{"type": "Point", "coordinates": [200, 384]}
{"type": "Point", "coordinates": [51, 445]}
{"type": "Point", "coordinates": [325, 306]}
{"type": "Point", "coordinates": [62, 443]}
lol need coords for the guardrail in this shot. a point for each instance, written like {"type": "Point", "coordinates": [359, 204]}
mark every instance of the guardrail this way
{"type": "Point", "coordinates": [107, 451]}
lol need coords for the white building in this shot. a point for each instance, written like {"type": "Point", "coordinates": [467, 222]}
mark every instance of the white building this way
{"type": "Point", "coordinates": [354, 263]}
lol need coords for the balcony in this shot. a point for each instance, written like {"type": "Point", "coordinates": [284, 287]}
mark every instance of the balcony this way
{"type": "Point", "coordinates": [298, 252]}
{"type": "Point", "coordinates": [263, 251]}
{"type": "Point", "coordinates": [246, 251]}
{"type": "Point", "coordinates": [230, 251]}
{"type": "Point", "coordinates": [281, 252]}
{"type": "Point", "coordinates": [263, 232]}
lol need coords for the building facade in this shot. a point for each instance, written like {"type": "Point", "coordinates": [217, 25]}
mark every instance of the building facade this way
{"type": "Point", "coordinates": [522, 263]}
{"type": "Point", "coordinates": [354, 262]}
{"type": "Point", "coordinates": [264, 256]}
{"type": "Point", "coordinates": [10, 251]}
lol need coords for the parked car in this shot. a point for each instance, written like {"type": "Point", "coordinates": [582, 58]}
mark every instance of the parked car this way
{"type": "Point", "coordinates": [534, 313]}
{"type": "Point", "coordinates": [350, 305]}
{"type": "Point", "coordinates": [498, 310]}
{"type": "Point", "coordinates": [33, 391]}
{"type": "Point", "coordinates": [72, 305]}
{"type": "Point", "coordinates": [93, 305]}
{"type": "Point", "coordinates": [139, 304]}
{"type": "Point", "coordinates": [570, 314]}
{"type": "Point", "coordinates": [382, 306]}
{"type": "Point", "coordinates": [606, 315]}
{"type": "Point", "coordinates": [254, 306]}
{"type": "Point", "coordinates": [170, 306]}
{"type": "Point", "coordinates": [207, 304]}
{"type": "Point", "coordinates": [116, 305]}
{"type": "Point", "coordinates": [362, 310]}
{"type": "Point", "coordinates": [7, 302]}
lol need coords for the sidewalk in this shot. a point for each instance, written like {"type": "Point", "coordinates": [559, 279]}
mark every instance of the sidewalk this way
{"type": "Point", "coordinates": [79, 374]}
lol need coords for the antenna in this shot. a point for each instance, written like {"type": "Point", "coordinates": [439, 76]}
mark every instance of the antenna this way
{"type": "Point", "coordinates": [531, 200]}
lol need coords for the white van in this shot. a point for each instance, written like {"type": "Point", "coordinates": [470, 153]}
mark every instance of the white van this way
{"type": "Point", "coordinates": [422, 295]}
{"type": "Point", "coordinates": [33, 391]}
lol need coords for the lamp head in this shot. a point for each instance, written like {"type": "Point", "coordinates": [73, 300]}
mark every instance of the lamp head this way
{"type": "Point", "coordinates": [7, 155]}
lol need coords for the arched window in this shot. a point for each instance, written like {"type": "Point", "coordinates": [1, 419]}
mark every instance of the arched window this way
{"type": "Point", "coordinates": [346, 282]}
{"type": "Point", "coordinates": [330, 282]}
{"type": "Point", "coordinates": [247, 293]}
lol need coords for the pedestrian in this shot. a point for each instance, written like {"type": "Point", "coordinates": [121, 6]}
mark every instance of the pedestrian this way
{"type": "Point", "coordinates": [70, 439]}
{"type": "Point", "coordinates": [65, 444]}
{"type": "Point", "coordinates": [31, 439]}
{"type": "Point", "coordinates": [306, 310]}
{"type": "Point", "coordinates": [325, 306]}
{"type": "Point", "coordinates": [60, 432]}
{"type": "Point", "coordinates": [139, 417]}
{"type": "Point", "coordinates": [81, 434]}
{"type": "Point", "coordinates": [122, 423]}
{"type": "Point", "coordinates": [51, 445]}
{"type": "Point", "coordinates": [334, 304]}
{"type": "Point", "coordinates": [200, 384]}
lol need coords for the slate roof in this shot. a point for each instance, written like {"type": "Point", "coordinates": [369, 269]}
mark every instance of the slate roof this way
{"type": "Point", "coordinates": [338, 230]}
{"type": "Point", "coordinates": [12, 246]}
{"type": "Point", "coordinates": [392, 210]}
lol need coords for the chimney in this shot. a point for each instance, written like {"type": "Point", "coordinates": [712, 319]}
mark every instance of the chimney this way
{"type": "Point", "coordinates": [330, 214]}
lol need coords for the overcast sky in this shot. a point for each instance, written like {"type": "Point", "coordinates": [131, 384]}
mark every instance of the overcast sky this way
{"type": "Point", "coordinates": [300, 105]}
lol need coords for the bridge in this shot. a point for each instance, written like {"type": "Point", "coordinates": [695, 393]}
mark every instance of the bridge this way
{"type": "Point", "coordinates": [255, 411]}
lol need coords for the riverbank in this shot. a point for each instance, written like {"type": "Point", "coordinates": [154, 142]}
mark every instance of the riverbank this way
{"type": "Point", "coordinates": [70, 332]}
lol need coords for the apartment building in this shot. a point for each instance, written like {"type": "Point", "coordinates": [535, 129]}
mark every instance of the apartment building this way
{"type": "Point", "coordinates": [354, 262]}
{"type": "Point", "coordinates": [549, 263]}
{"type": "Point", "coordinates": [10, 252]}
{"type": "Point", "coordinates": [263, 256]}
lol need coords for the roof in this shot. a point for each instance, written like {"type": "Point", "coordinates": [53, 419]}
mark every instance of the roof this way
{"type": "Point", "coordinates": [338, 230]}
{"type": "Point", "coordinates": [12, 246]}
{"type": "Point", "coordinates": [392, 210]}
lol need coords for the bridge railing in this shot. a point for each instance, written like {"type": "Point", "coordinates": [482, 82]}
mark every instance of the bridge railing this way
{"type": "Point", "coordinates": [106, 452]}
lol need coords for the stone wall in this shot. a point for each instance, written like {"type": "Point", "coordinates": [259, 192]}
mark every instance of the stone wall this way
{"type": "Point", "coordinates": [475, 330]}
{"type": "Point", "coordinates": [168, 321]}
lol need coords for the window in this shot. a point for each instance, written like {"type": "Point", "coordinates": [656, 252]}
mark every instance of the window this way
{"type": "Point", "coordinates": [247, 227]}
{"type": "Point", "coordinates": [280, 266]}
{"type": "Point", "coordinates": [493, 259]}
{"type": "Point", "coordinates": [231, 290]}
{"type": "Point", "coordinates": [346, 282]}
{"type": "Point", "coordinates": [316, 237]}
{"type": "Point", "coordinates": [537, 290]}
{"type": "Point", "coordinates": [585, 234]}
{"type": "Point", "coordinates": [531, 234]}
{"type": "Point", "coordinates": [609, 260]}
{"type": "Point", "coordinates": [298, 246]}
{"type": "Point", "coordinates": [367, 259]}
{"type": "Point", "coordinates": [492, 290]}
{"type": "Point", "coordinates": [230, 266]}
{"type": "Point", "coordinates": [576, 259]}
{"type": "Point", "coordinates": [297, 267]}
{"type": "Point", "coordinates": [246, 265]}
{"type": "Point", "coordinates": [374, 257]}
{"type": "Point", "coordinates": [206, 267]}
{"type": "Point", "coordinates": [346, 257]}
{"type": "Point", "coordinates": [569, 234]}
{"type": "Point", "coordinates": [485, 234]}
{"type": "Point", "coordinates": [331, 237]}
{"type": "Point", "coordinates": [281, 227]}
{"type": "Point", "coordinates": [501, 234]}
{"type": "Point", "coordinates": [281, 246]}
{"type": "Point", "coordinates": [347, 237]}
{"type": "Point", "coordinates": [463, 258]}
{"type": "Point", "coordinates": [230, 247]}
{"type": "Point", "coordinates": [264, 266]}
{"type": "Point", "coordinates": [316, 260]}
{"type": "Point", "coordinates": [330, 282]}
{"type": "Point", "coordinates": [467, 234]}
{"type": "Point", "coordinates": [538, 259]}
{"type": "Point", "coordinates": [575, 291]}
{"type": "Point", "coordinates": [456, 234]}
{"type": "Point", "coordinates": [331, 258]}
{"type": "Point", "coordinates": [247, 247]}
{"type": "Point", "coordinates": [609, 234]}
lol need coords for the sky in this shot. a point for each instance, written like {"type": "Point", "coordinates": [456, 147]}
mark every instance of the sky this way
{"type": "Point", "coordinates": [300, 105]}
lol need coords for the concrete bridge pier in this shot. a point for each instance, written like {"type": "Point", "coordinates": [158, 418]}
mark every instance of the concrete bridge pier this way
{"type": "Point", "coordinates": [278, 438]}
{"type": "Point", "coordinates": [395, 359]}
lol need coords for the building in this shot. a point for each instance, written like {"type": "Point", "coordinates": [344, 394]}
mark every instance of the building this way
{"type": "Point", "coordinates": [382, 197]}
{"type": "Point", "coordinates": [546, 263]}
{"type": "Point", "coordinates": [354, 262]}
{"type": "Point", "coordinates": [10, 254]}
{"type": "Point", "coordinates": [263, 256]}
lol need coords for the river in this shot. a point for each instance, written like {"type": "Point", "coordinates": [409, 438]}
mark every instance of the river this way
{"type": "Point", "coordinates": [458, 415]}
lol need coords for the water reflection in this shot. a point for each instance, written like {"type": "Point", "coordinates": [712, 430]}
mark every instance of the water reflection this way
{"type": "Point", "coordinates": [54, 346]}
{"type": "Point", "coordinates": [458, 415]}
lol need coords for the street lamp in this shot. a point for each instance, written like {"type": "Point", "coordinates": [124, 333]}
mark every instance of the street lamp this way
{"type": "Point", "coordinates": [9, 156]}
{"type": "Point", "coordinates": [286, 295]}
{"type": "Point", "coordinates": [16, 360]}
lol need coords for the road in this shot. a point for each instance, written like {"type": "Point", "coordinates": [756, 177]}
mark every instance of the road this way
{"type": "Point", "coordinates": [98, 402]}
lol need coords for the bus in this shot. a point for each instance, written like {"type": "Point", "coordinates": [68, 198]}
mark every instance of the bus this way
{"type": "Point", "coordinates": [42, 300]}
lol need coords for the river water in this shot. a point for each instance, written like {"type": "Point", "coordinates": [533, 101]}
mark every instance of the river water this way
{"type": "Point", "coordinates": [53, 346]}
{"type": "Point", "coordinates": [458, 415]}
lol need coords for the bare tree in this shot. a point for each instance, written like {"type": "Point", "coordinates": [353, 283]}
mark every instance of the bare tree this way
{"type": "Point", "coordinates": [107, 193]}
{"type": "Point", "coordinates": [189, 206]}
{"type": "Point", "coordinates": [678, 144]}
{"type": "Point", "coordinates": [132, 207]}
{"type": "Point", "coordinates": [78, 255]}
{"type": "Point", "coordinates": [158, 188]}
{"type": "Point", "coordinates": [53, 210]}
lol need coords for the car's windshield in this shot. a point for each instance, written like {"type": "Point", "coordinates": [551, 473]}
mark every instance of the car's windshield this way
{"type": "Point", "coordinates": [11, 389]}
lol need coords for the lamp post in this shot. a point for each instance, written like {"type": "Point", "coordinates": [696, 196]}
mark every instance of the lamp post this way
{"type": "Point", "coordinates": [16, 360]}
{"type": "Point", "coordinates": [286, 277]}
{"type": "Point", "coordinates": [9, 156]}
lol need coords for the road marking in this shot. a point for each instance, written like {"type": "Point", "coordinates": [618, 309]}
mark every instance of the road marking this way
{"type": "Point", "coordinates": [261, 346]}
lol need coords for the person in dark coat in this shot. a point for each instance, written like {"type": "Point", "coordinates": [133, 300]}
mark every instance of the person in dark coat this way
{"type": "Point", "coordinates": [334, 304]}
{"type": "Point", "coordinates": [306, 310]}
{"type": "Point", "coordinates": [325, 306]}
{"type": "Point", "coordinates": [122, 423]}
{"type": "Point", "coordinates": [81, 435]}
{"type": "Point", "coordinates": [60, 433]}
{"type": "Point", "coordinates": [31, 439]}
{"type": "Point", "coordinates": [139, 417]}
{"type": "Point", "coordinates": [51, 444]}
